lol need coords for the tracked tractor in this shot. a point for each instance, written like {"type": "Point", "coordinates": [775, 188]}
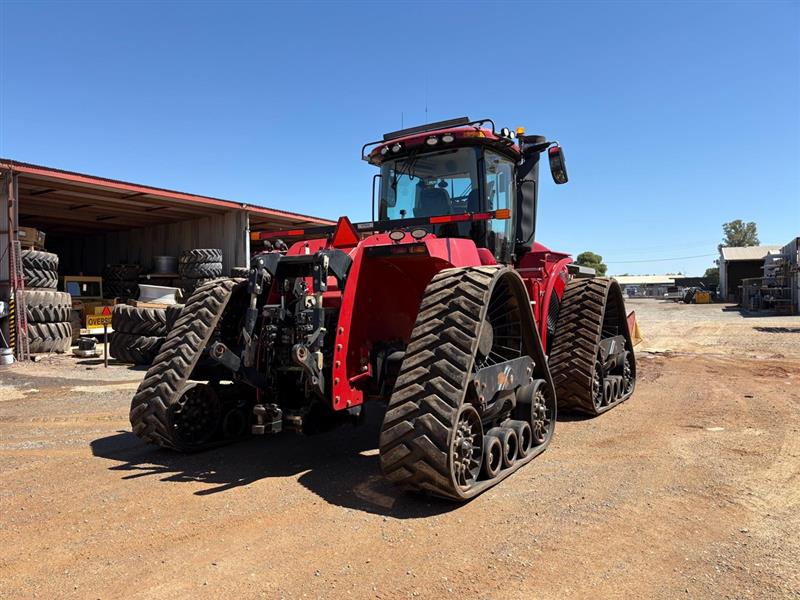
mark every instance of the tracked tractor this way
{"type": "Point", "coordinates": [443, 307]}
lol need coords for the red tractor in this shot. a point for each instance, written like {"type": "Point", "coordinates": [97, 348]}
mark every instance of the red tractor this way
{"type": "Point", "coordinates": [442, 307]}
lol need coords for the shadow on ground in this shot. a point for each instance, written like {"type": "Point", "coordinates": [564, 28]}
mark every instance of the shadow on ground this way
{"type": "Point", "coordinates": [778, 329]}
{"type": "Point", "coordinates": [339, 466]}
{"type": "Point", "coordinates": [112, 362]}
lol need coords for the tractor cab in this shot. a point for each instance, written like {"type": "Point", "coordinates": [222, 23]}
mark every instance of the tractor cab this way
{"type": "Point", "coordinates": [452, 170]}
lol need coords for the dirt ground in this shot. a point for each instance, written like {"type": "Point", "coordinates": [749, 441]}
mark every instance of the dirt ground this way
{"type": "Point", "coordinates": [690, 489]}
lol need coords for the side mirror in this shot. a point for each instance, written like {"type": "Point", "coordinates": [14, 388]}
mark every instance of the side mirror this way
{"type": "Point", "coordinates": [558, 168]}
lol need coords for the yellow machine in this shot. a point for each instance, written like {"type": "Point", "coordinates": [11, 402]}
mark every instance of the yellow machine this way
{"type": "Point", "coordinates": [702, 297]}
{"type": "Point", "coordinates": [88, 302]}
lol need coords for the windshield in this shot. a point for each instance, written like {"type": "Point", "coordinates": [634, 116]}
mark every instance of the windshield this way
{"type": "Point", "coordinates": [440, 183]}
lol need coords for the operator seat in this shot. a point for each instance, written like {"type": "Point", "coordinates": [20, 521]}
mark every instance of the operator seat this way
{"type": "Point", "coordinates": [433, 201]}
{"type": "Point", "coordinates": [473, 201]}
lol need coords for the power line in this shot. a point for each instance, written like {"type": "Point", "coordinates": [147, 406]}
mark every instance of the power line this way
{"type": "Point", "coordinates": [658, 259]}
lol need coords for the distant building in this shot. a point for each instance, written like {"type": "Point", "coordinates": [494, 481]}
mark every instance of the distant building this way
{"type": "Point", "coordinates": [646, 285]}
{"type": "Point", "coordinates": [736, 264]}
{"type": "Point", "coordinates": [777, 287]}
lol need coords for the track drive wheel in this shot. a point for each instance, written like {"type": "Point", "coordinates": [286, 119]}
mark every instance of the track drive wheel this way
{"type": "Point", "coordinates": [432, 438]}
{"type": "Point", "coordinates": [592, 310]}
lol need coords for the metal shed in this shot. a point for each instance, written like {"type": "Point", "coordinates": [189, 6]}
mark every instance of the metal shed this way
{"type": "Point", "coordinates": [737, 263]}
{"type": "Point", "coordinates": [92, 221]}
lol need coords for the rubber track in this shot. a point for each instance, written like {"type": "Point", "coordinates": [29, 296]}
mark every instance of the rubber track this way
{"type": "Point", "coordinates": [575, 344]}
{"type": "Point", "coordinates": [37, 259]}
{"type": "Point", "coordinates": [172, 314]}
{"type": "Point", "coordinates": [200, 270]}
{"type": "Point", "coordinates": [432, 381]}
{"type": "Point", "coordinates": [136, 349]}
{"type": "Point", "coordinates": [161, 388]}
{"type": "Point", "coordinates": [47, 306]}
{"type": "Point", "coordinates": [40, 278]}
{"type": "Point", "coordinates": [139, 321]}
{"type": "Point", "coordinates": [49, 337]}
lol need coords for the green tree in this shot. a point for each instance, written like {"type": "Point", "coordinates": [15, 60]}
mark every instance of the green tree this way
{"type": "Point", "coordinates": [738, 233]}
{"type": "Point", "coordinates": [712, 275]}
{"type": "Point", "coordinates": [593, 261]}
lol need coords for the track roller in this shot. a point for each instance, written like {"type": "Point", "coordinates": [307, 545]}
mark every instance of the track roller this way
{"type": "Point", "coordinates": [508, 442]}
{"type": "Point", "coordinates": [524, 436]}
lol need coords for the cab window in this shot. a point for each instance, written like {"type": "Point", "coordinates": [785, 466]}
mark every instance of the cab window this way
{"type": "Point", "coordinates": [500, 193]}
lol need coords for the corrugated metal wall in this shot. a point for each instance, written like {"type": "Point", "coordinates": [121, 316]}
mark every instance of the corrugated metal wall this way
{"type": "Point", "coordinates": [88, 254]}
{"type": "Point", "coordinates": [792, 250]}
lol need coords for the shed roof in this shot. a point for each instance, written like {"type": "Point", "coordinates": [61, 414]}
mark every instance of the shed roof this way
{"type": "Point", "coordinates": [71, 202]}
{"type": "Point", "coordinates": [731, 254]}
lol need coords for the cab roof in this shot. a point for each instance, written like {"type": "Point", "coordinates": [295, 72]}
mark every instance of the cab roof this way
{"type": "Point", "coordinates": [441, 134]}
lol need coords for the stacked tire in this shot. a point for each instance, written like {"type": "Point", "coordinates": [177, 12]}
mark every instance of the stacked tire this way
{"type": "Point", "coordinates": [197, 267]}
{"type": "Point", "coordinates": [139, 332]}
{"type": "Point", "coordinates": [121, 281]}
{"type": "Point", "coordinates": [47, 311]}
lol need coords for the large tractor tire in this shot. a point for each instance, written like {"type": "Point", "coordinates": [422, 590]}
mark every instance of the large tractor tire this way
{"type": "Point", "coordinates": [49, 337]}
{"type": "Point", "coordinates": [167, 409]}
{"type": "Point", "coordinates": [591, 311]}
{"type": "Point", "coordinates": [47, 306]}
{"type": "Point", "coordinates": [139, 321]}
{"type": "Point", "coordinates": [237, 272]}
{"type": "Point", "coordinates": [190, 285]}
{"type": "Point", "coordinates": [39, 260]}
{"type": "Point", "coordinates": [437, 436]}
{"type": "Point", "coordinates": [201, 270]}
{"type": "Point", "coordinates": [137, 349]}
{"type": "Point", "coordinates": [40, 278]}
{"type": "Point", "coordinates": [200, 256]}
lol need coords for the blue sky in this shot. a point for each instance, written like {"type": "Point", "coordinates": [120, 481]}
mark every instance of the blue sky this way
{"type": "Point", "coordinates": [674, 117]}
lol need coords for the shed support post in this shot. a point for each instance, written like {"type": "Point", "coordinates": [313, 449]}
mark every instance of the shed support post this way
{"type": "Point", "coordinates": [246, 239]}
{"type": "Point", "coordinates": [8, 217]}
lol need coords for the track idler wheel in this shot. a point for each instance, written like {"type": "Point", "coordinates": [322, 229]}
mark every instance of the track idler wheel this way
{"type": "Point", "coordinates": [628, 377]}
{"type": "Point", "coordinates": [536, 404]}
{"type": "Point", "coordinates": [599, 387]}
{"type": "Point", "coordinates": [466, 450]}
